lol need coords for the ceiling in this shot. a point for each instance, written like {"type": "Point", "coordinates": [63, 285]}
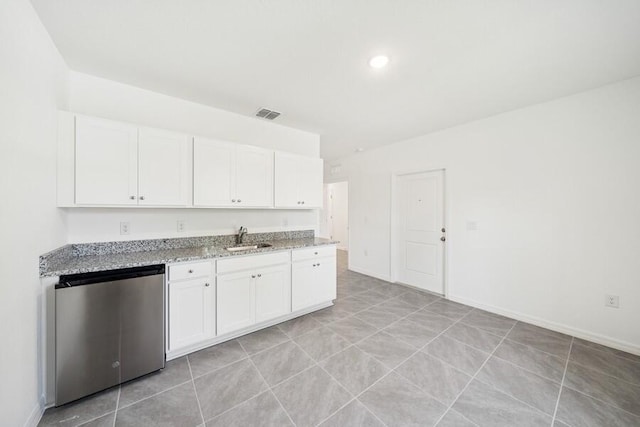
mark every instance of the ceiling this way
{"type": "Point", "coordinates": [451, 62]}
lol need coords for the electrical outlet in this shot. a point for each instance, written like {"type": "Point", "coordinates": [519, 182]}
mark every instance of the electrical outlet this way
{"type": "Point", "coordinates": [181, 226]}
{"type": "Point", "coordinates": [612, 301]}
{"type": "Point", "coordinates": [125, 228]}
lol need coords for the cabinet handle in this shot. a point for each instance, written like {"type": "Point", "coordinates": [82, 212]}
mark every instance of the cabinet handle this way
{"type": "Point", "coordinates": [141, 197]}
{"type": "Point", "coordinates": [206, 284]}
{"type": "Point", "coordinates": [303, 202]}
{"type": "Point", "coordinates": [315, 253]}
{"type": "Point", "coordinates": [239, 200]}
{"type": "Point", "coordinates": [318, 264]}
{"type": "Point", "coordinates": [259, 275]}
{"type": "Point", "coordinates": [233, 200]}
{"type": "Point", "coordinates": [132, 197]}
{"type": "Point", "coordinates": [190, 271]}
{"type": "Point", "coordinates": [253, 276]}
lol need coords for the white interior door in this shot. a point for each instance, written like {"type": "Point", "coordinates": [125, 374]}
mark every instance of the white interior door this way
{"type": "Point", "coordinates": [420, 205]}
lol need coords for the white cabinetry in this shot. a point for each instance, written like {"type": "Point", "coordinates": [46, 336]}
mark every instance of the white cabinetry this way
{"type": "Point", "coordinates": [231, 175]}
{"type": "Point", "coordinates": [236, 301]}
{"type": "Point", "coordinates": [118, 164]}
{"type": "Point", "coordinates": [252, 289]}
{"type": "Point", "coordinates": [191, 305]}
{"type": "Point", "coordinates": [298, 181]}
{"type": "Point", "coordinates": [106, 162]}
{"type": "Point", "coordinates": [313, 277]}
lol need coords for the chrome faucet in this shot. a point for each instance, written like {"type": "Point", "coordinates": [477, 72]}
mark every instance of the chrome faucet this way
{"type": "Point", "coordinates": [241, 234]}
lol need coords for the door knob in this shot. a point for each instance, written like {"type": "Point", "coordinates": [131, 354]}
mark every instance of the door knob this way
{"type": "Point", "coordinates": [443, 238]}
{"type": "Point", "coordinates": [443, 230]}
{"type": "Point", "coordinates": [206, 284]}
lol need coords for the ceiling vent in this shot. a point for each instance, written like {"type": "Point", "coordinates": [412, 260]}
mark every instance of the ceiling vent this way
{"type": "Point", "coordinates": [267, 114]}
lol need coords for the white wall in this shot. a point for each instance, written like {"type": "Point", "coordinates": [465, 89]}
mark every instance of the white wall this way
{"type": "Point", "coordinates": [117, 101]}
{"type": "Point", "coordinates": [95, 225]}
{"type": "Point", "coordinates": [33, 86]}
{"type": "Point", "coordinates": [104, 98]}
{"type": "Point", "coordinates": [554, 189]}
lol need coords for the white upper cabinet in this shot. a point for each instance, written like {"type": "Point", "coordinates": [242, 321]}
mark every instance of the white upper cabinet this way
{"type": "Point", "coordinates": [106, 162]}
{"type": "Point", "coordinates": [298, 181]}
{"type": "Point", "coordinates": [120, 164]}
{"type": "Point", "coordinates": [214, 177]}
{"type": "Point", "coordinates": [164, 168]}
{"type": "Point", "coordinates": [231, 175]}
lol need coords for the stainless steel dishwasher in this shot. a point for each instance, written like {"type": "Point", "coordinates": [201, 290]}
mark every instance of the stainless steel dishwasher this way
{"type": "Point", "coordinates": [109, 329]}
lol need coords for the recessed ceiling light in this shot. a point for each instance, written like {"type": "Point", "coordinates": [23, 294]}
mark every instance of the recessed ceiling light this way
{"type": "Point", "coordinates": [379, 61]}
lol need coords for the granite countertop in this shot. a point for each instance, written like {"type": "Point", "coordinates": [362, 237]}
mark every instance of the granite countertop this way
{"type": "Point", "coordinates": [67, 260]}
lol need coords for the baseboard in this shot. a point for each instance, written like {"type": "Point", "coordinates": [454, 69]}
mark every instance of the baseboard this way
{"type": "Point", "coordinates": [35, 416]}
{"type": "Point", "coordinates": [554, 326]}
{"type": "Point", "coordinates": [369, 273]}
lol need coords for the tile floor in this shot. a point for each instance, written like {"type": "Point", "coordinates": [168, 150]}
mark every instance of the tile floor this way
{"type": "Point", "coordinates": [382, 355]}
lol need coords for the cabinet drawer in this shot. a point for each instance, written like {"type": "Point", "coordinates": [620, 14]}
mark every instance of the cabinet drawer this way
{"type": "Point", "coordinates": [190, 270]}
{"type": "Point", "coordinates": [314, 252]}
{"type": "Point", "coordinates": [251, 262]}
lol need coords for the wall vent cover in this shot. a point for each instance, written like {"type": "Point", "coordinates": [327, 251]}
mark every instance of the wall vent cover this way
{"type": "Point", "coordinates": [265, 113]}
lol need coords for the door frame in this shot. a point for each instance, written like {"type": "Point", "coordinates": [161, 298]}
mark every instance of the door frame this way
{"type": "Point", "coordinates": [395, 225]}
{"type": "Point", "coordinates": [330, 221]}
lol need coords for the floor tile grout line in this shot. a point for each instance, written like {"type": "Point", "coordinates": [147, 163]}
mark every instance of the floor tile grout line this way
{"type": "Point", "coordinates": [534, 348]}
{"type": "Point", "coordinates": [609, 353]}
{"type": "Point", "coordinates": [601, 401]}
{"type": "Point", "coordinates": [244, 401]}
{"type": "Point", "coordinates": [592, 369]}
{"type": "Point", "coordinates": [392, 370]}
{"type": "Point", "coordinates": [524, 368]}
{"type": "Point", "coordinates": [154, 394]}
{"type": "Point", "coordinates": [269, 389]}
{"type": "Point", "coordinates": [218, 368]}
{"type": "Point", "coordinates": [564, 375]}
{"type": "Point", "coordinates": [339, 384]}
{"type": "Point", "coordinates": [474, 375]}
{"type": "Point", "coordinates": [115, 415]}
{"type": "Point", "coordinates": [195, 391]}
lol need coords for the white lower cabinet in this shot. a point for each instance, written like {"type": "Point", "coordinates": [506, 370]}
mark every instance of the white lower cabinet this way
{"type": "Point", "coordinates": [273, 292]}
{"type": "Point", "coordinates": [236, 301]}
{"type": "Point", "coordinates": [313, 281]}
{"type": "Point", "coordinates": [257, 294]}
{"type": "Point", "coordinates": [248, 290]}
{"type": "Point", "coordinates": [191, 312]}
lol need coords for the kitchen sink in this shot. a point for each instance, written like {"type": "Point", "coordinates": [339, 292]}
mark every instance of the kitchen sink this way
{"type": "Point", "coordinates": [248, 247]}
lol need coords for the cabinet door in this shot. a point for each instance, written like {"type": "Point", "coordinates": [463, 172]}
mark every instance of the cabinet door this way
{"type": "Point", "coordinates": [191, 312]}
{"type": "Point", "coordinates": [303, 284]}
{"type": "Point", "coordinates": [235, 301]}
{"type": "Point", "coordinates": [286, 181]}
{"type": "Point", "coordinates": [164, 172]}
{"type": "Point", "coordinates": [273, 292]}
{"type": "Point", "coordinates": [310, 182]}
{"type": "Point", "coordinates": [106, 162]}
{"type": "Point", "coordinates": [326, 280]}
{"type": "Point", "coordinates": [213, 172]}
{"type": "Point", "coordinates": [254, 176]}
